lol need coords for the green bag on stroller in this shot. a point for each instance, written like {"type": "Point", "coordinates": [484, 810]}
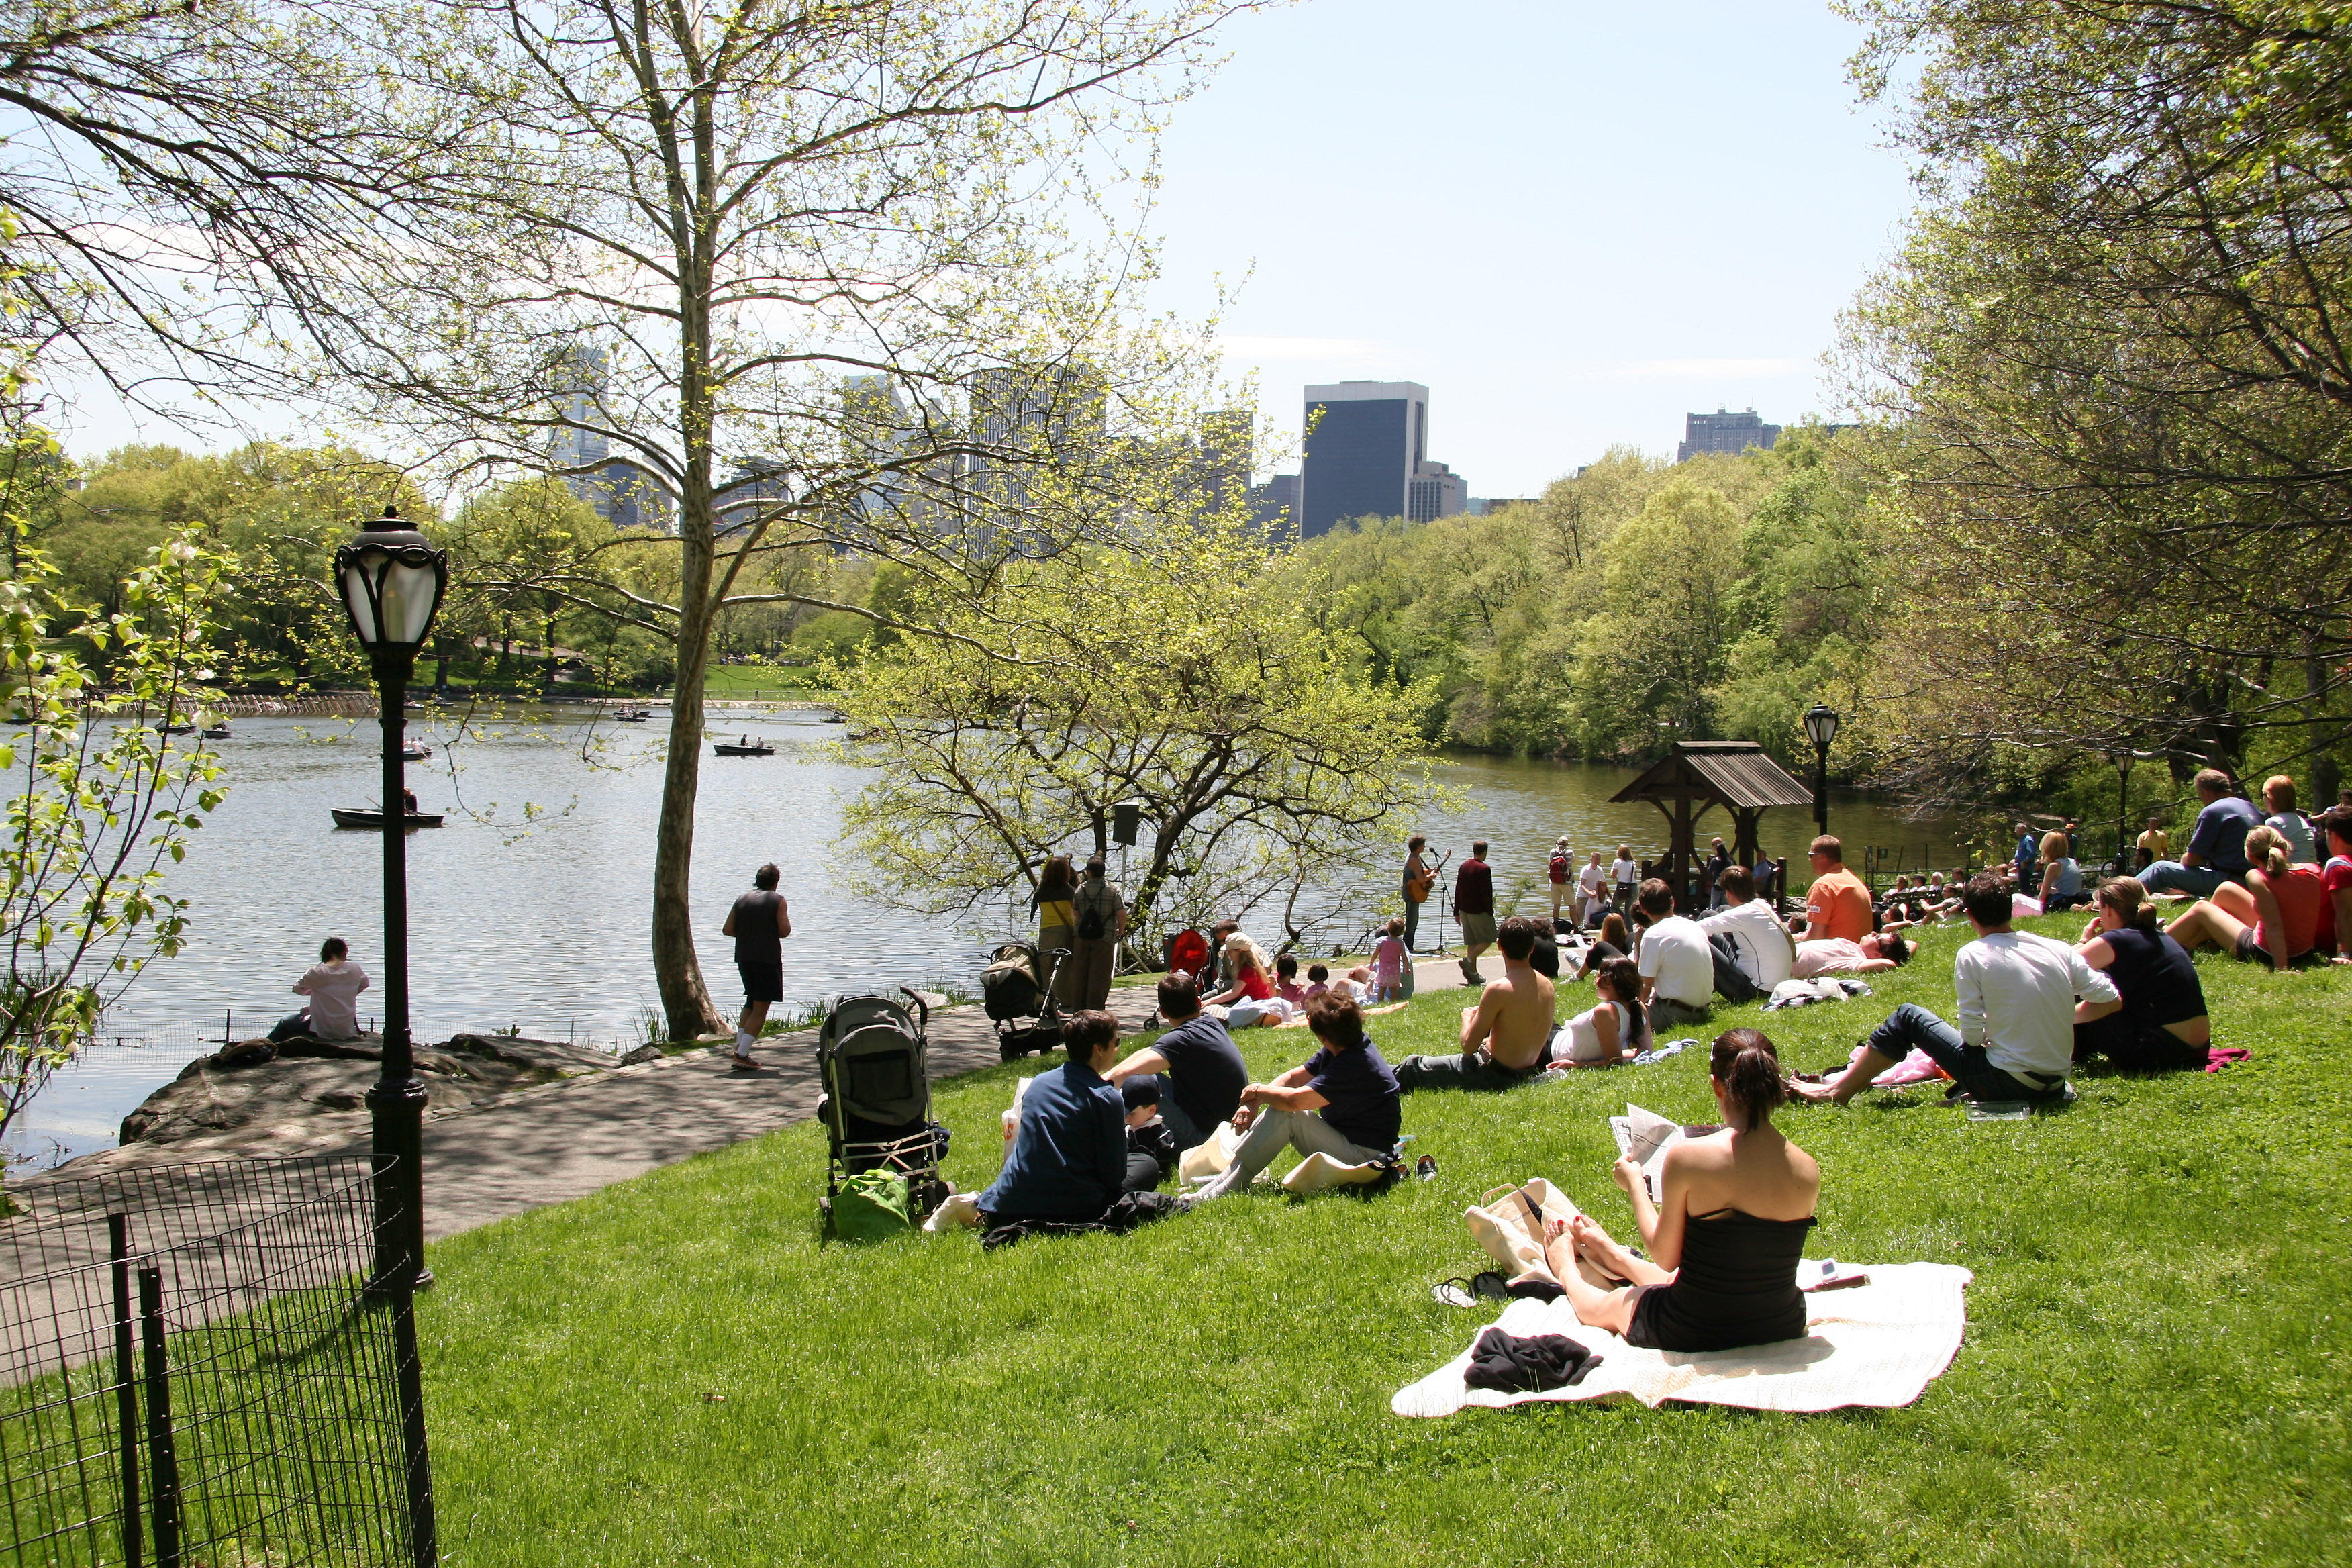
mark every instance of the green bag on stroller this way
{"type": "Point", "coordinates": [871, 1204]}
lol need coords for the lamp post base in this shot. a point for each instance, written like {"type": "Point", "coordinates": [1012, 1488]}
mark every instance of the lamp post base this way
{"type": "Point", "coordinates": [398, 1112]}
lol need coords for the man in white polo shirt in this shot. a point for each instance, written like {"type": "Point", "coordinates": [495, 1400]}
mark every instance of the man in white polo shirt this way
{"type": "Point", "coordinates": [2018, 996]}
{"type": "Point", "coordinates": [1676, 964]}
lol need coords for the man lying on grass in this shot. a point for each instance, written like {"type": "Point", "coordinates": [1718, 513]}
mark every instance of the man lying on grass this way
{"type": "Point", "coordinates": [1726, 1235]}
{"type": "Point", "coordinates": [1504, 1037]}
{"type": "Point", "coordinates": [2020, 996]}
{"type": "Point", "coordinates": [1346, 1080]}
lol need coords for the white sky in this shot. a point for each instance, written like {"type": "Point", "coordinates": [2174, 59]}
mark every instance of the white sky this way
{"type": "Point", "coordinates": [1574, 222]}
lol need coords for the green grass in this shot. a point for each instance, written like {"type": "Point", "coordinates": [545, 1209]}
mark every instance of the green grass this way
{"type": "Point", "coordinates": [740, 682]}
{"type": "Point", "coordinates": [675, 1370]}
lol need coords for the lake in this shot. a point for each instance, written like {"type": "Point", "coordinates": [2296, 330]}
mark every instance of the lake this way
{"type": "Point", "coordinates": [544, 923]}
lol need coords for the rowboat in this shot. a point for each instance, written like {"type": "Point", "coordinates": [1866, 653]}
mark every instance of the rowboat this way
{"type": "Point", "coordinates": [632, 715]}
{"type": "Point", "coordinates": [745, 747]}
{"type": "Point", "coordinates": [346, 816]}
{"type": "Point", "coordinates": [216, 733]}
{"type": "Point", "coordinates": [414, 752]}
{"type": "Point", "coordinates": [175, 729]}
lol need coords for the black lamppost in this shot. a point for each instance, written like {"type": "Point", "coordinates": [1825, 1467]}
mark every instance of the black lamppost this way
{"type": "Point", "coordinates": [2123, 758]}
{"type": "Point", "coordinates": [391, 581]}
{"type": "Point", "coordinates": [1821, 727]}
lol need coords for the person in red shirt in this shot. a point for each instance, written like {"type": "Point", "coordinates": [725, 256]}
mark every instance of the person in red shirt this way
{"type": "Point", "coordinates": [2276, 919]}
{"type": "Point", "coordinates": [2335, 837]}
{"type": "Point", "coordinates": [1474, 906]}
{"type": "Point", "coordinates": [1838, 905]}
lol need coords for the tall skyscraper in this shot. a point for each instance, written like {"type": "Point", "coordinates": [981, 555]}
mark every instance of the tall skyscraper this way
{"type": "Point", "coordinates": [1365, 441]}
{"type": "Point", "coordinates": [1724, 431]}
{"type": "Point", "coordinates": [1368, 455]}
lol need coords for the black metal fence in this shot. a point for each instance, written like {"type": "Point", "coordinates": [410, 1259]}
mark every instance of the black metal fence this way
{"type": "Point", "coordinates": [194, 1371]}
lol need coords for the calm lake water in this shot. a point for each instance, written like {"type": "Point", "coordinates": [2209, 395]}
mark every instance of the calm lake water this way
{"type": "Point", "coordinates": [544, 923]}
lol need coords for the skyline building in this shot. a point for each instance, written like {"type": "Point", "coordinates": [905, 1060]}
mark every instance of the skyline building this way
{"type": "Point", "coordinates": [1724, 432]}
{"type": "Point", "coordinates": [1273, 505]}
{"type": "Point", "coordinates": [579, 450]}
{"type": "Point", "coordinates": [1435, 492]}
{"type": "Point", "coordinates": [1366, 454]}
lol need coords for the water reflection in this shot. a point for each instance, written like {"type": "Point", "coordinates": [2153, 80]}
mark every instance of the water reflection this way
{"type": "Point", "coordinates": [544, 924]}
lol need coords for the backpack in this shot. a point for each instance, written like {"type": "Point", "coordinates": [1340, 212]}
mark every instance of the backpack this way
{"type": "Point", "coordinates": [1560, 868]}
{"type": "Point", "coordinates": [1094, 924]}
{"type": "Point", "coordinates": [871, 1206]}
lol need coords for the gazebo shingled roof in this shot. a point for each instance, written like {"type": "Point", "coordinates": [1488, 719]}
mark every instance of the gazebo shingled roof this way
{"type": "Point", "coordinates": [1696, 776]}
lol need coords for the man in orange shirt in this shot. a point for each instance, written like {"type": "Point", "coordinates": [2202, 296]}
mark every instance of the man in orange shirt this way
{"type": "Point", "coordinates": [1838, 905]}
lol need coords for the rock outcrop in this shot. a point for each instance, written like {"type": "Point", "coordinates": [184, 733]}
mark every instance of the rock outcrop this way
{"type": "Point", "coordinates": [253, 1086]}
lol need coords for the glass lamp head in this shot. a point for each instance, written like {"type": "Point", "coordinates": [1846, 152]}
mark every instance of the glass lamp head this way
{"type": "Point", "coordinates": [391, 581]}
{"type": "Point", "coordinates": [1820, 726]}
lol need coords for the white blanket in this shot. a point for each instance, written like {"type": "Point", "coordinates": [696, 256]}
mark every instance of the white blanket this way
{"type": "Point", "coordinates": [1876, 1345]}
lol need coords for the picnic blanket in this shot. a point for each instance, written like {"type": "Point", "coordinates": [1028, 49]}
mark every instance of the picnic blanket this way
{"type": "Point", "coordinates": [1876, 1345]}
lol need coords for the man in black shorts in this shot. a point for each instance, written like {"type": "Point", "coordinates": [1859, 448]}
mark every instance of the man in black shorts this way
{"type": "Point", "coordinates": [758, 923]}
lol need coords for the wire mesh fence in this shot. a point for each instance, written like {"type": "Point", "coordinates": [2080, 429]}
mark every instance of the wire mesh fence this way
{"type": "Point", "coordinates": [192, 1371]}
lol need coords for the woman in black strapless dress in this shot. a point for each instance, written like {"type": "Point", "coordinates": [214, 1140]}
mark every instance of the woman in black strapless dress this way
{"type": "Point", "coordinates": [1726, 1235]}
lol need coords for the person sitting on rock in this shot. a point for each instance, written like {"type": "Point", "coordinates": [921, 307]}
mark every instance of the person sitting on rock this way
{"type": "Point", "coordinates": [333, 986]}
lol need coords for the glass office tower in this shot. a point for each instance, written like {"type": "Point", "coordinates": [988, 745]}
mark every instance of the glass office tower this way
{"type": "Point", "coordinates": [1362, 451]}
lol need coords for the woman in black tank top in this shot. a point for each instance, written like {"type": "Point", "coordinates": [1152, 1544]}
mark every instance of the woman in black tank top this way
{"type": "Point", "coordinates": [1723, 1277]}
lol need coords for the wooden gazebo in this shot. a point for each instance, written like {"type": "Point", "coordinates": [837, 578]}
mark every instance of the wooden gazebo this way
{"type": "Point", "coordinates": [1697, 776]}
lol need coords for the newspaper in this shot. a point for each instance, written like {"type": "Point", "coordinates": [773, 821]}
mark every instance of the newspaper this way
{"type": "Point", "coordinates": [1644, 1136]}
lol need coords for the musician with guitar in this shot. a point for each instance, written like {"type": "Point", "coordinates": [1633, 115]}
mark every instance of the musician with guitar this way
{"type": "Point", "coordinates": [1420, 876]}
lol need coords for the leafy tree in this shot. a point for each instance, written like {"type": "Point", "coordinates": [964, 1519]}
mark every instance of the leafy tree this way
{"type": "Point", "coordinates": [99, 802]}
{"type": "Point", "coordinates": [2117, 398]}
{"type": "Point", "coordinates": [530, 232]}
{"type": "Point", "coordinates": [1183, 672]}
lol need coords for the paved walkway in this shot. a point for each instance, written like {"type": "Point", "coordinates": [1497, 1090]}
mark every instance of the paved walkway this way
{"type": "Point", "coordinates": [564, 1141]}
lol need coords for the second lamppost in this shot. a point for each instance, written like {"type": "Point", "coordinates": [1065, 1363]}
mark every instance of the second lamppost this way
{"type": "Point", "coordinates": [391, 581]}
{"type": "Point", "coordinates": [1821, 727]}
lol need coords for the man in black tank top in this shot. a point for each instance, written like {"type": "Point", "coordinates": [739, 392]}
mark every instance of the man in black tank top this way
{"type": "Point", "coordinates": [758, 923]}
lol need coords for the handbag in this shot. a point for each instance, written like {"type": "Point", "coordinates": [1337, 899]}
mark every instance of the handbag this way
{"type": "Point", "coordinates": [1509, 1223]}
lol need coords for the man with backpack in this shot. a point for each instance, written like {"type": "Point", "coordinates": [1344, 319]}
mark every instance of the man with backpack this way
{"type": "Point", "coordinates": [1102, 921]}
{"type": "Point", "coordinates": [1562, 871]}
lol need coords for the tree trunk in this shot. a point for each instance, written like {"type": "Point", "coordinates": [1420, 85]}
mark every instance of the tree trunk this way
{"type": "Point", "coordinates": [686, 1001]}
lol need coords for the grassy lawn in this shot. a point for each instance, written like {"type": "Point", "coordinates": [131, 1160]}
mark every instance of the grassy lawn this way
{"type": "Point", "coordinates": [745, 681]}
{"type": "Point", "coordinates": [674, 1370]}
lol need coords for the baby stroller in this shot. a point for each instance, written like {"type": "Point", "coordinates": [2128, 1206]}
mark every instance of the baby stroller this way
{"type": "Point", "coordinates": [877, 1099]}
{"type": "Point", "coordinates": [1021, 1003]}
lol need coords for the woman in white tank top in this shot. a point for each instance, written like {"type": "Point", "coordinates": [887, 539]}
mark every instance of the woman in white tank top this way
{"type": "Point", "coordinates": [1603, 1034]}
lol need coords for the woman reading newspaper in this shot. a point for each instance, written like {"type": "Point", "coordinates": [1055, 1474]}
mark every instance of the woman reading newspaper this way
{"type": "Point", "coordinates": [1723, 1235]}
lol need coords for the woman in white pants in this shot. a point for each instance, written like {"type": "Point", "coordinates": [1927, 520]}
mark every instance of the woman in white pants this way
{"type": "Point", "coordinates": [1347, 1080]}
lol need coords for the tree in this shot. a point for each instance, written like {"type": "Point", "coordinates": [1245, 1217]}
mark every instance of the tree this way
{"type": "Point", "coordinates": [101, 802]}
{"type": "Point", "coordinates": [563, 237]}
{"type": "Point", "coordinates": [2116, 394]}
{"type": "Point", "coordinates": [1182, 671]}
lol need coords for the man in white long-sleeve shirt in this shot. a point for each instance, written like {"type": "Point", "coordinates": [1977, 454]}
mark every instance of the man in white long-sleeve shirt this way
{"type": "Point", "coordinates": [2018, 994]}
{"type": "Point", "coordinates": [1756, 942]}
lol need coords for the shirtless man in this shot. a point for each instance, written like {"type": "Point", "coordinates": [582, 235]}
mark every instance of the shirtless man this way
{"type": "Point", "coordinates": [1504, 1037]}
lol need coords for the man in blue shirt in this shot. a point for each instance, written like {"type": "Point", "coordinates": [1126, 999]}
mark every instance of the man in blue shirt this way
{"type": "Point", "coordinates": [2217, 847]}
{"type": "Point", "coordinates": [1069, 1161]}
{"type": "Point", "coordinates": [1346, 1080]}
